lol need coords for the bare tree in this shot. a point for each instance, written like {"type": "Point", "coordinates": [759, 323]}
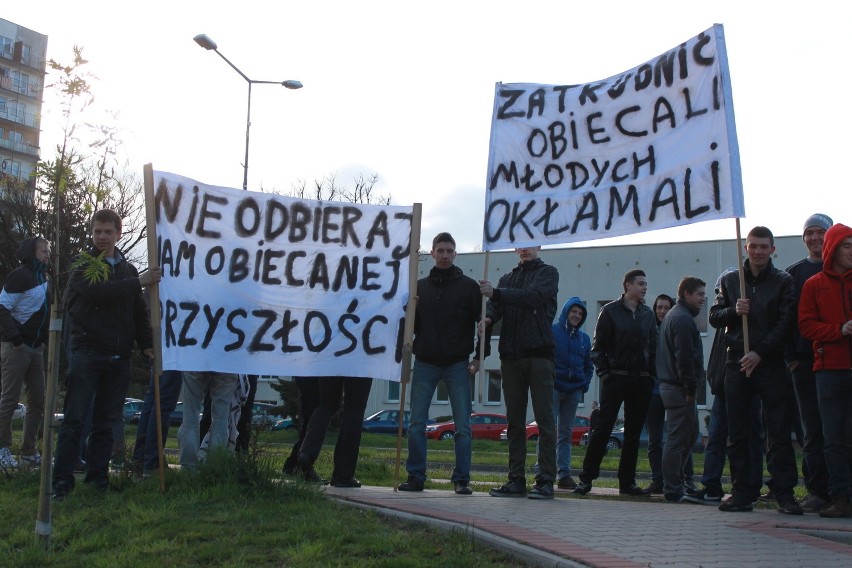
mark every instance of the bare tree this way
{"type": "Point", "coordinates": [327, 189]}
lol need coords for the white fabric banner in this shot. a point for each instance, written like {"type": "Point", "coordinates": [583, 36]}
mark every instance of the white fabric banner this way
{"type": "Point", "coordinates": [262, 284]}
{"type": "Point", "coordinates": [653, 147]}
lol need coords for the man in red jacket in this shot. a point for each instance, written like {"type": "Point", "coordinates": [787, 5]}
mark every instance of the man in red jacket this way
{"type": "Point", "coordinates": [825, 317]}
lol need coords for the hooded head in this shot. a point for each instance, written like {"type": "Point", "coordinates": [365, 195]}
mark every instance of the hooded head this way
{"type": "Point", "coordinates": [28, 254]}
{"type": "Point", "coordinates": [563, 317]}
{"type": "Point", "coordinates": [833, 237]}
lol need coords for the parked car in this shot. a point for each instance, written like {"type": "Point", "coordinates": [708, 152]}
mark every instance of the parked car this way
{"type": "Point", "coordinates": [19, 411]}
{"type": "Point", "coordinates": [616, 439]}
{"type": "Point", "coordinates": [131, 407]}
{"type": "Point", "coordinates": [387, 422]}
{"type": "Point", "coordinates": [482, 425]}
{"type": "Point", "coordinates": [283, 424]}
{"type": "Point", "coordinates": [264, 414]}
{"type": "Point", "coordinates": [175, 418]}
{"type": "Point", "coordinates": [582, 424]}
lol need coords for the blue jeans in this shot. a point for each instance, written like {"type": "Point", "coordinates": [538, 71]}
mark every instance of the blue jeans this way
{"type": "Point", "coordinates": [145, 450]}
{"type": "Point", "coordinates": [222, 386]}
{"type": "Point", "coordinates": [564, 411]}
{"type": "Point", "coordinates": [834, 389]}
{"type": "Point", "coordinates": [92, 376]}
{"type": "Point", "coordinates": [424, 381]}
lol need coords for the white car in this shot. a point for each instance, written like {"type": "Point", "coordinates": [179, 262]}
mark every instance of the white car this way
{"type": "Point", "coordinates": [20, 411]}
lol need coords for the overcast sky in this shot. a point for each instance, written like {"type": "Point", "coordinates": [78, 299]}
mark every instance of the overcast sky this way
{"type": "Point", "coordinates": [405, 91]}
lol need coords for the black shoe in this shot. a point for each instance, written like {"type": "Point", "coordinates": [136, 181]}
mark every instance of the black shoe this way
{"type": "Point", "coordinates": [513, 488]}
{"type": "Point", "coordinates": [788, 506]}
{"type": "Point", "coordinates": [351, 482]}
{"type": "Point", "coordinates": [676, 498]}
{"type": "Point", "coordinates": [541, 490]}
{"type": "Point", "coordinates": [635, 491]}
{"type": "Point", "coordinates": [567, 483]}
{"type": "Point", "coordinates": [583, 488]}
{"type": "Point", "coordinates": [290, 467]}
{"type": "Point", "coordinates": [462, 488]}
{"type": "Point", "coordinates": [60, 491]}
{"type": "Point", "coordinates": [80, 467]}
{"type": "Point", "coordinates": [768, 496]}
{"type": "Point", "coordinates": [690, 486]}
{"type": "Point", "coordinates": [703, 497]}
{"type": "Point", "coordinates": [732, 505]}
{"type": "Point", "coordinates": [655, 488]}
{"type": "Point", "coordinates": [412, 484]}
{"type": "Point", "coordinates": [813, 503]}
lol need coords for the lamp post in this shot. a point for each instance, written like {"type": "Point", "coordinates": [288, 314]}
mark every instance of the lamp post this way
{"type": "Point", "coordinates": [209, 44]}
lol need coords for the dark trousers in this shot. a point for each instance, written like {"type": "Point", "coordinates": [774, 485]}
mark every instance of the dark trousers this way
{"type": "Point", "coordinates": [145, 449]}
{"type": "Point", "coordinates": [716, 449]}
{"type": "Point", "coordinates": [355, 392]}
{"type": "Point", "coordinates": [530, 378]}
{"type": "Point", "coordinates": [635, 394]}
{"type": "Point", "coordinates": [655, 422]}
{"type": "Point", "coordinates": [244, 423]}
{"type": "Point", "coordinates": [308, 400]}
{"type": "Point", "coordinates": [834, 389]}
{"type": "Point", "coordinates": [769, 382]}
{"type": "Point", "coordinates": [92, 377]}
{"type": "Point", "coordinates": [814, 470]}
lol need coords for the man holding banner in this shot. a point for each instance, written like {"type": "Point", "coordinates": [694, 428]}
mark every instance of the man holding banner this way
{"type": "Point", "coordinates": [525, 300]}
{"type": "Point", "coordinates": [768, 304]}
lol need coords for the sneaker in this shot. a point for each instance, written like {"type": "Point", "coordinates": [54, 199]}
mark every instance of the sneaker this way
{"type": "Point", "coordinates": [733, 505]}
{"type": "Point", "coordinates": [31, 460]}
{"type": "Point", "coordinates": [61, 490]}
{"type": "Point", "coordinates": [788, 505]}
{"type": "Point", "coordinates": [541, 490]}
{"type": "Point", "coordinates": [412, 484]}
{"type": "Point", "coordinates": [703, 497]}
{"type": "Point", "coordinates": [813, 503]}
{"type": "Point", "coordinates": [839, 508]}
{"type": "Point", "coordinates": [655, 488]}
{"type": "Point", "coordinates": [583, 488]}
{"type": "Point", "coordinates": [567, 483]}
{"type": "Point", "coordinates": [634, 491]}
{"type": "Point", "coordinates": [676, 498]}
{"type": "Point", "coordinates": [768, 496]}
{"type": "Point", "coordinates": [7, 460]}
{"type": "Point", "coordinates": [513, 488]}
{"type": "Point", "coordinates": [690, 485]}
{"type": "Point", "coordinates": [462, 488]}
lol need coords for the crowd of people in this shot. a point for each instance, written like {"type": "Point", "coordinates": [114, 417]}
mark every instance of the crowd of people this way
{"type": "Point", "coordinates": [783, 342]}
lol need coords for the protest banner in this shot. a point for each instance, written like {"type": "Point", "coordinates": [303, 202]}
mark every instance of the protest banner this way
{"type": "Point", "coordinates": [262, 284]}
{"type": "Point", "coordinates": [650, 148]}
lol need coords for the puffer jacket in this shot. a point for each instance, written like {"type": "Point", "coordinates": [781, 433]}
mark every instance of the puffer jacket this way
{"type": "Point", "coordinates": [625, 341]}
{"type": "Point", "coordinates": [24, 301]}
{"type": "Point", "coordinates": [825, 305]}
{"type": "Point", "coordinates": [525, 299]}
{"type": "Point", "coordinates": [771, 314]}
{"type": "Point", "coordinates": [573, 359]}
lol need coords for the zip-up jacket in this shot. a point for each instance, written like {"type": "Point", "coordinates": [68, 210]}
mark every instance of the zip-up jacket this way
{"type": "Point", "coordinates": [825, 305]}
{"type": "Point", "coordinates": [771, 311]}
{"type": "Point", "coordinates": [625, 341]}
{"type": "Point", "coordinates": [680, 354]}
{"type": "Point", "coordinates": [798, 348]}
{"type": "Point", "coordinates": [573, 358]}
{"type": "Point", "coordinates": [448, 306]}
{"type": "Point", "coordinates": [525, 299]}
{"type": "Point", "coordinates": [24, 301]}
{"type": "Point", "coordinates": [107, 316]}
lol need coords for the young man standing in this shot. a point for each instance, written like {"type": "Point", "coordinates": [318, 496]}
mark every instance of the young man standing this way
{"type": "Point", "coordinates": [799, 357]}
{"type": "Point", "coordinates": [525, 300]}
{"type": "Point", "coordinates": [624, 352]}
{"type": "Point", "coordinates": [825, 317]}
{"type": "Point", "coordinates": [105, 317]}
{"type": "Point", "coordinates": [448, 307]}
{"type": "Point", "coordinates": [680, 365]}
{"type": "Point", "coordinates": [24, 315]}
{"type": "Point", "coordinates": [769, 305]}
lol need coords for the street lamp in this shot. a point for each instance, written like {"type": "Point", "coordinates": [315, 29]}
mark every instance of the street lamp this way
{"type": "Point", "coordinates": [209, 44]}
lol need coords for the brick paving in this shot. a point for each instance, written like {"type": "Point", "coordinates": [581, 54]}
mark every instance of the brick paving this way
{"type": "Point", "coordinates": [602, 530]}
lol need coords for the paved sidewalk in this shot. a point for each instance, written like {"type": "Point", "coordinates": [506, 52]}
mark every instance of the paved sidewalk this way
{"type": "Point", "coordinates": [619, 532]}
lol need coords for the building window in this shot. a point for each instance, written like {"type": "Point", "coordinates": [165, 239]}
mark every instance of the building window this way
{"type": "Point", "coordinates": [494, 394]}
{"type": "Point", "coordinates": [6, 47]}
{"type": "Point", "coordinates": [393, 391]}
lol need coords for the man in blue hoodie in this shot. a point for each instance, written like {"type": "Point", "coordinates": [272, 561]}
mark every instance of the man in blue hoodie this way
{"type": "Point", "coordinates": [573, 374]}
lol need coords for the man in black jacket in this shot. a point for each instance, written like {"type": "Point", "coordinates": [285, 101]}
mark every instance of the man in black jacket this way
{"type": "Point", "coordinates": [769, 306]}
{"type": "Point", "coordinates": [680, 365]}
{"type": "Point", "coordinates": [525, 299]}
{"type": "Point", "coordinates": [105, 317]}
{"type": "Point", "coordinates": [448, 307]}
{"type": "Point", "coordinates": [24, 315]}
{"type": "Point", "coordinates": [624, 352]}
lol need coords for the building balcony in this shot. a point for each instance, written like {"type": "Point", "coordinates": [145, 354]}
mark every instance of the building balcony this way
{"type": "Point", "coordinates": [20, 147]}
{"type": "Point", "coordinates": [28, 119]}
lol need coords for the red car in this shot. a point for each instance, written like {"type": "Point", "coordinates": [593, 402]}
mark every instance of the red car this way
{"type": "Point", "coordinates": [581, 426]}
{"type": "Point", "coordinates": [486, 426]}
